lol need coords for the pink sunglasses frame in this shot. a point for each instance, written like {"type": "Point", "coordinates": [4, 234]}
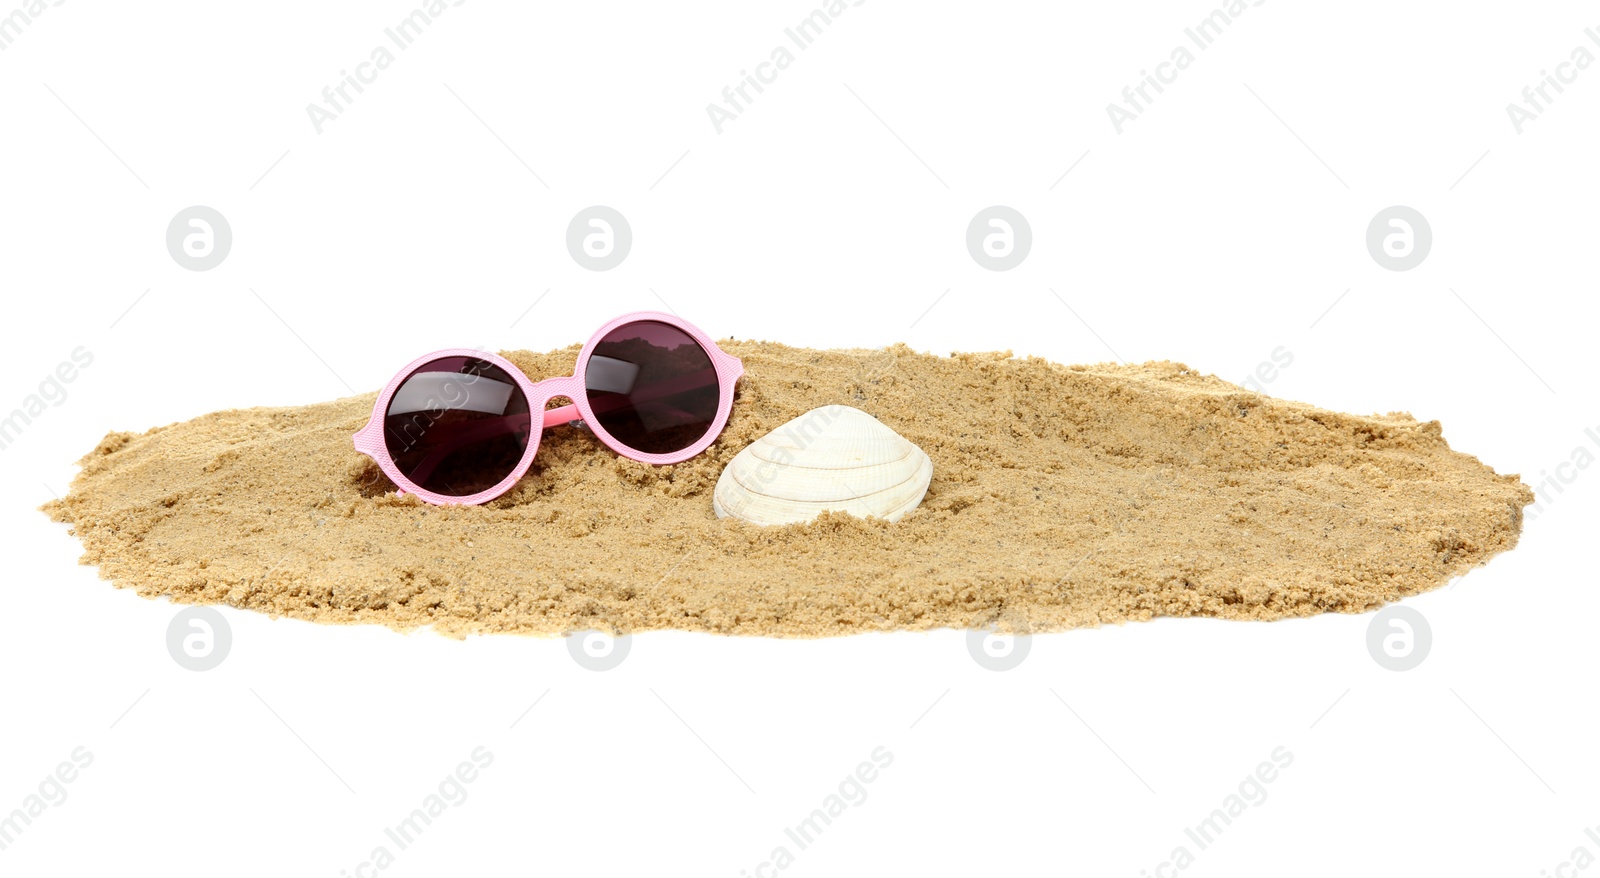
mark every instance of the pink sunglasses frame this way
{"type": "Point", "coordinates": [369, 439]}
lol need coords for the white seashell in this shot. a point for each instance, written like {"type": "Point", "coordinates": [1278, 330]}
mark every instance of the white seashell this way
{"type": "Point", "coordinates": [831, 458]}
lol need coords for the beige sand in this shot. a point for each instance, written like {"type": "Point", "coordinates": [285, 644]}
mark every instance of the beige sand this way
{"type": "Point", "coordinates": [1061, 497]}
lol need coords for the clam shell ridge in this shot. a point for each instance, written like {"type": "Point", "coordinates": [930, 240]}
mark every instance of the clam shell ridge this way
{"type": "Point", "coordinates": [833, 458]}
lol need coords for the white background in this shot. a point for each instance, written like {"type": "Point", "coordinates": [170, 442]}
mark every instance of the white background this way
{"type": "Point", "coordinates": [1218, 226]}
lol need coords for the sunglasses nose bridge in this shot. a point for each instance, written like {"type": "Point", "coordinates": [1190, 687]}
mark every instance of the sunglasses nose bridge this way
{"type": "Point", "coordinates": [543, 391]}
{"type": "Point", "coordinates": [569, 388]}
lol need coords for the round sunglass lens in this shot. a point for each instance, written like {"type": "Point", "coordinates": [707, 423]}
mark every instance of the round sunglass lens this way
{"type": "Point", "coordinates": [457, 426]}
{"type": "Point", "coordinates": [652, 387]}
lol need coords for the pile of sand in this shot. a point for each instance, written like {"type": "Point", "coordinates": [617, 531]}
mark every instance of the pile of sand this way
{"type": "Point", "coordinates": [1061, 497]}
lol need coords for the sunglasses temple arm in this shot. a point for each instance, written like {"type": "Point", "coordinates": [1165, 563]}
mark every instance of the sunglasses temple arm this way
{"type": "Point", "coordinates": [563, 415]}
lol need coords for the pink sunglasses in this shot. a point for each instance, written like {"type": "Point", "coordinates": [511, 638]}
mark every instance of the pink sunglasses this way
{"type": "Point", "coordinates": [457, 426]}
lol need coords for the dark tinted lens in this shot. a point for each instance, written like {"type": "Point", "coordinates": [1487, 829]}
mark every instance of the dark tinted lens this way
{"type": "Point", "coordinates": [457, 426]}
{"type": "Point", "coordinates": [652, 387]}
